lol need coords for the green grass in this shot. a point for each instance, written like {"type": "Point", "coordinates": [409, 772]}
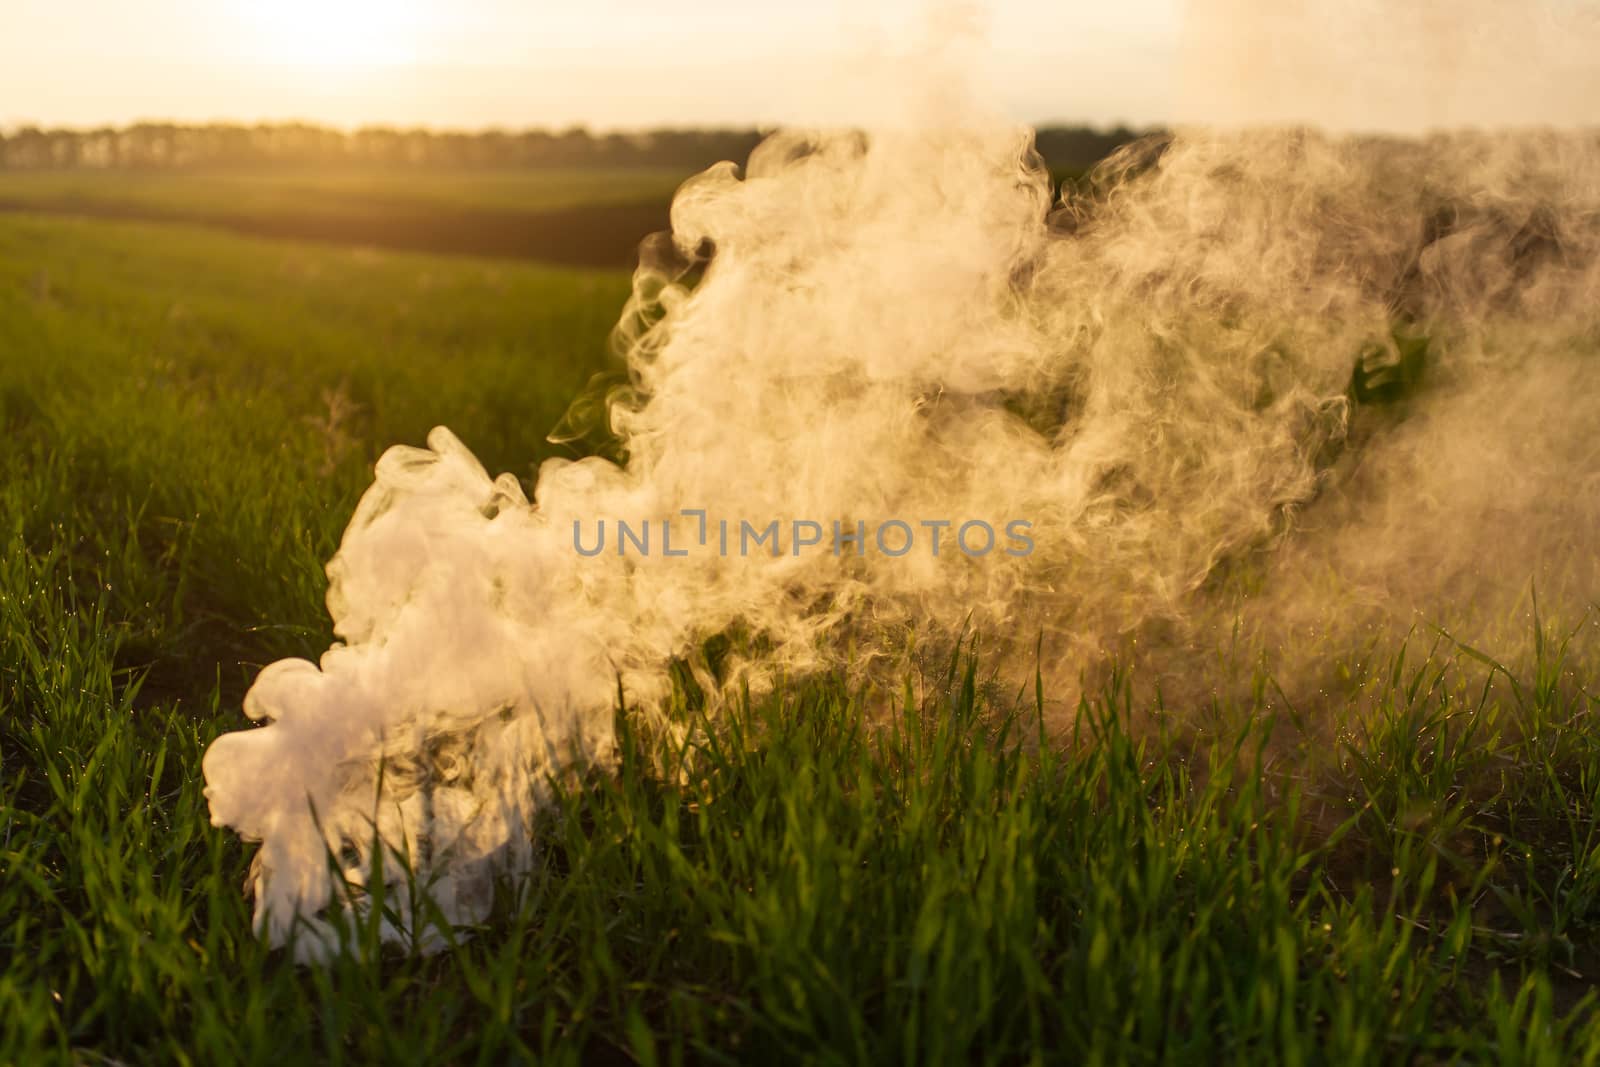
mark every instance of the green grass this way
{"type": "Point", "coordinates": [366, 190]}
{"type": "Point", "coordinates": [188, 418]}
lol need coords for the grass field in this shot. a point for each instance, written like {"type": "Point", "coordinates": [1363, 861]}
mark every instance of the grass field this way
{"type": "Point", "coordinates": [188, 419]}
{"type": "Point", "coordinates": [364, 190]}
{"type": "Point", "coordinates": [583, 217]}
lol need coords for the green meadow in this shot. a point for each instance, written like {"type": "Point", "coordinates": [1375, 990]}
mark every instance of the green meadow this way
{"type": "Point", "coordinates": [590, 217]}
{"type": "Point", "coordinates": [187, 418]}
{"type": "Point", "coordinates": [358, 189]}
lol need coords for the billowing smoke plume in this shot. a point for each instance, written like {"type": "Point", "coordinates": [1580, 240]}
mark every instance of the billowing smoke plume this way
{"type": "Point", "coordinates": [1279, 383]}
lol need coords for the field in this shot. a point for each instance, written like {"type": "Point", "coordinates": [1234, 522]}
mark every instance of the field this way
{"type": "Point", "coordinates": [189, 416]}
{"type": "Point", "coordinates": [580, 217]}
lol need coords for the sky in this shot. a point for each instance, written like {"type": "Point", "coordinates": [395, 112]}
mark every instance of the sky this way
{"type": "Point", "coordinates": [606, 64]}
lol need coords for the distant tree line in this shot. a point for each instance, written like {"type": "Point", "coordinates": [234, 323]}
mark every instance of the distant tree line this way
{"type": "Point", "coordinates": [159, 145]}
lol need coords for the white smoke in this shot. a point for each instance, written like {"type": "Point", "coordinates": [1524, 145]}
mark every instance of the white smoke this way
{"type": "Point", "coordinates": [1276, 382]}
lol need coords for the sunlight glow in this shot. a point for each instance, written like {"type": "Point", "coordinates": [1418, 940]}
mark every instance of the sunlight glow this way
{"type": "Point", "coordinates": [333, 33]}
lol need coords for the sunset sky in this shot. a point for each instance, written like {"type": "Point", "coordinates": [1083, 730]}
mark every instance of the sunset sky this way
{"type": "Point", "coordinates": [611, 64]}
{"type": "Point", "coordinates": [603, 63]}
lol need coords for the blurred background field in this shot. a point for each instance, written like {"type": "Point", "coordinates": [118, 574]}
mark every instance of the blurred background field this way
{"type": "Point", "coordinates": [586, 218]}
{"type": "Point", "coordinates": [362, 191]}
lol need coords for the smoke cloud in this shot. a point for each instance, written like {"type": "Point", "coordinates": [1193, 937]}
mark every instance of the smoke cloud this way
{"type": "Point", "coordinates": [1292, 385]}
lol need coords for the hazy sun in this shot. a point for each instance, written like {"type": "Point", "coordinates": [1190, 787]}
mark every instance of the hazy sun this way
{"type": "Point", "coordinates": [332, 33]}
